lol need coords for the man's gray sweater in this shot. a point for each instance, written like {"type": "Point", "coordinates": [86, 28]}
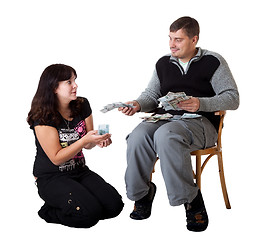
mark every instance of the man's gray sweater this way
{"type": "Point", "coordinates": [225, 97]}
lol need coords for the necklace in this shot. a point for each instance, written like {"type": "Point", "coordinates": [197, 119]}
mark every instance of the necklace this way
{"type": "Point", "coordinates": [67, 123]}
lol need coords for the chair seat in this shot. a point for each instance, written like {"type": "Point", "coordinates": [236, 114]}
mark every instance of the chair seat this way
{"type": "Point", "coordinates": [206, 151]}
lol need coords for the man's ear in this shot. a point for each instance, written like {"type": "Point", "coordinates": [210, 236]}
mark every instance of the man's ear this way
{"type": "Point", "coordinates": [195, 39]}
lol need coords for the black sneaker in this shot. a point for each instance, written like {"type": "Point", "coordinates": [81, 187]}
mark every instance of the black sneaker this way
{"type": "Point", "coordinates": [143, 207]}
{"type": "Point", "coordinates": [196, 214]}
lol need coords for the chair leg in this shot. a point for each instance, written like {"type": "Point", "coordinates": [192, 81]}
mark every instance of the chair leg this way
{"type": "Point", "coordinates": [198, 170]}
{"type": "Point", "coordinates": [222, 180]}
{"type": "Point", "coordinates": [151, 175]}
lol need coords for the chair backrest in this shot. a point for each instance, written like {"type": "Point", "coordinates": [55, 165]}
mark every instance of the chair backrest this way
{"type": "Point", "coordinates": [222, 115]}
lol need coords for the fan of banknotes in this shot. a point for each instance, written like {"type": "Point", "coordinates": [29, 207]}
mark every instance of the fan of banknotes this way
{"type": "Point", "coordinates": [171, 100]}
{"type": "Point", "coordinates": [157, 117]}
{"type": "Point", "coordinates": [167, 116]}
{"type": "Point", "coordinates": [112, 106]}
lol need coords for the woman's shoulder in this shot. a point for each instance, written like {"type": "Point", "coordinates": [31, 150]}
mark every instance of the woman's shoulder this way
{"type": "Point", "coordinates": [83, 102]}
{"type": "Point", "coordinates": [84, 106]}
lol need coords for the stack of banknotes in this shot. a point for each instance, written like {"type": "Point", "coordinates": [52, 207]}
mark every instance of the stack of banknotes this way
{"type": "Point", "coordinates": [103, 129]}
{"type": "Point", "coordinates": [112, 106]}
{"type": "Point", "coordinates": [157, 117]}
{"type": "Point", "coordinates": [171, 100]}
{"type": "Point", "coordinates": [167, 116]}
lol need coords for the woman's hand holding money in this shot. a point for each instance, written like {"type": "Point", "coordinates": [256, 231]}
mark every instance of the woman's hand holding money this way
{"type": "Point", "coordinates": [92, 139]}
{"type": "Point", "coordinates": [105, 143]}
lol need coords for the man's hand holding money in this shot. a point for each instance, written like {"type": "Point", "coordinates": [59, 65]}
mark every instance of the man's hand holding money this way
{"type": "Point", "coordinates": [190, 105]}
{"type": "Point", "coordinates": [130, 111]}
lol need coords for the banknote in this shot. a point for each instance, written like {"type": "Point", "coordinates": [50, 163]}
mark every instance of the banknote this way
{"type": "Point", "coordinates": [112, 106]}
{"type": "Point", "coordinates": [171, 100]}
{"type": "Point", "coordinates": [191, 115]}
{"type": "Point", "coordinates": [157, 117]}
{"type": "Point", "coordinates": [103, 129]}
{"type": "Point", "coordinates": [167, 116]}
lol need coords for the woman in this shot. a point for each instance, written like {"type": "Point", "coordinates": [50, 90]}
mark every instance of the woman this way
{"type": "Point", "coordinates": [63, 125]}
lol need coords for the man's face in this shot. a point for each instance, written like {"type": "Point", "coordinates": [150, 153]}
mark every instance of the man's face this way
{"type": "Point", "coordinates": [182, 46]}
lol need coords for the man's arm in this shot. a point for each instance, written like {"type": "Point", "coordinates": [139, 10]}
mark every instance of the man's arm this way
{"type": "Point", "coordinates": [223, 83]}
{"type": "Point", "coordinates": [147, 101]}
{"type": "Point", "coordinates": [148, 98]}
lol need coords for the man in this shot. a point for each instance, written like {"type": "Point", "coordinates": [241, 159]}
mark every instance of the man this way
{"type": "Point", "coordinates": [206, 77]}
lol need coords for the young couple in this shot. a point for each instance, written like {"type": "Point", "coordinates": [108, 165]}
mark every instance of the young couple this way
{"type": "Point", "coordinates": [62, 124]}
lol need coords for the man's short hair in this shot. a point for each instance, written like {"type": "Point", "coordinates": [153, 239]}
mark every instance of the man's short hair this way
{"type": "Point", "coordinates": [187, 24]}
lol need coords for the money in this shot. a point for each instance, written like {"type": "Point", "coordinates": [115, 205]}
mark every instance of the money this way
{"type": "Point", "coordinates": [157, 117]}
{"type": "Point", "coordinates": [171, 100]}
{"type": "Point", "coordinates": [167, 116]}
{"type": "Point", "coordinates": [103, 129]}
{"type": "Point", "coordinates": [191, 115]}
{"type": "Point", "coordinates": [112, 106]}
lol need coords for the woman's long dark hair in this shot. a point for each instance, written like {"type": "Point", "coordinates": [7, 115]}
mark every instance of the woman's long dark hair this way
{"type": "Point", "coordinates": [44, 108]}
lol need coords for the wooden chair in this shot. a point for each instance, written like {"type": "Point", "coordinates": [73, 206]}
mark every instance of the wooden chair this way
{"type": "Point", "coordinates": [210, 152]}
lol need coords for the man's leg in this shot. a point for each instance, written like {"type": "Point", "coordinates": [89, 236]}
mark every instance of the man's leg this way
{"type": "Point", "coordinates": [140, 159]}
{"type": "Point", "coordinates": [173, 142]}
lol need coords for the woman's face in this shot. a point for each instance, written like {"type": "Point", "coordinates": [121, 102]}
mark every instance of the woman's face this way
{"type": "Point", "coordinates": [67, 90]}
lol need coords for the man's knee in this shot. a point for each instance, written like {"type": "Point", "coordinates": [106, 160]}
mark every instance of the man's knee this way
{"type": "Point", "coordinates": [141, 134]}
{"type": "Point", "coordinates": [173, 132]}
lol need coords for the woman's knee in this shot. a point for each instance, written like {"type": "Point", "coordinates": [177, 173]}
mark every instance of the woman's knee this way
{"type": "Point", "coordinates": [112, 204]}
{"type": "Point", "coordinates": [80, 215]}
{"type": "Point", "coordinates": [114, 209]}
{"type": "Point", "coordinates": [79, 221]}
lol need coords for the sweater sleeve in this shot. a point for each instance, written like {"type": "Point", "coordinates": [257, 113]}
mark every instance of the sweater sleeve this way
{"type": "Point", "coordinates": [223, 83]}
{"type": "Point", "coordinates": [148, 98]}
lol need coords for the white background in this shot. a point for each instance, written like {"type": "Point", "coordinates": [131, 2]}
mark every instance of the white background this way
{"type": "Point", "coordinates": [114, 45]}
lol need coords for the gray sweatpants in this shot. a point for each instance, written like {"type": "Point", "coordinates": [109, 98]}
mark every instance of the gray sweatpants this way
{"type": "Point", "coordinates": [172, 141]}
